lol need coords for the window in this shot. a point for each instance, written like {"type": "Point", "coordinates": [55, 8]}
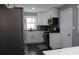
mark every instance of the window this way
{"type": "Point", "coordinates": [30, 23]}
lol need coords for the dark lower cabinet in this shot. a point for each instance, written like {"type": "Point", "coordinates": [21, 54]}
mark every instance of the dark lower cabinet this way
{"type": "Point", "coordinates": [11, 31]}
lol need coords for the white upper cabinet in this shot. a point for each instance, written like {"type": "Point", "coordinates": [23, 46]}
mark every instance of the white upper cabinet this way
{"type": "Point", "coordinates": [42, 18]}
{"type": "Point", "coordinates": [48, 14]}
{"type": "Point", "coordinates": [45, 15]}
{"type": "Point", "coordinates": [53, 12]}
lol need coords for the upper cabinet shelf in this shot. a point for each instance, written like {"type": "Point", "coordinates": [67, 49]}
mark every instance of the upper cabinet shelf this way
{"type": "Point", "coordinates": [45, 15]}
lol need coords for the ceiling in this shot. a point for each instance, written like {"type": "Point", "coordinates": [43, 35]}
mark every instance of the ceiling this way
{"type": "Point", "coordinates": [37, 7]}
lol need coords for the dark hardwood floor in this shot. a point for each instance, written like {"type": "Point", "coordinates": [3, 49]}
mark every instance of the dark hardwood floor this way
{"type": "Point", "coordinates": [33, 49]}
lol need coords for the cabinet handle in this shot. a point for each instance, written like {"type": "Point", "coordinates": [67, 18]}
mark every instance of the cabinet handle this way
{"type": "Point", "coordinates": [69, 34]}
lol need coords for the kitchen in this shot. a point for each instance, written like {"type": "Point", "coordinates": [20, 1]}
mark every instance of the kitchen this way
{"type": "Point", "coordinates": [38, 28]}
{"type": "Point", "coordinates": [53, 28]}
{"type": "Point", "coordinates": [44, 26]}
{"type": "Point", "coordinates": [40, 22]}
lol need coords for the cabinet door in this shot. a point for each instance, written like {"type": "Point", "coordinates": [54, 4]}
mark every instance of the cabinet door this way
{"type": "Point", "coordinates": [48, 14]}
{"type": "Point", "coordinates": [28, 37]}
{"type": "Point", "coordinates": [35, 37]}
{"type": "Point", "coordinates": [39, 18]}
{"type": "Point", "coordinates": [55, 12]}
{"type": "Point", "coordinates": [54, 40]}
{"type": "Point", "coordinates": [44, 18]}
{"type": "Point", "coordinates": [40, 36]}
{"type": "Point", "coordinates": [52, 13]}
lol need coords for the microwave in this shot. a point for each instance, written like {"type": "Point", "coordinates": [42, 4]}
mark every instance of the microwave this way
{"type": "Point", "coordinates": [53, 21]}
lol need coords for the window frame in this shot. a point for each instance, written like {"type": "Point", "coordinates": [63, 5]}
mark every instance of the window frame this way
{"type": "Point", "coordinates": [26, 22]}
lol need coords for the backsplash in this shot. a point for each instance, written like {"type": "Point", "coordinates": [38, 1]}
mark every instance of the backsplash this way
{"type": "Point", "coordinates": [43, 27]}
{"type": "Point", "coordinates": [49, 28]}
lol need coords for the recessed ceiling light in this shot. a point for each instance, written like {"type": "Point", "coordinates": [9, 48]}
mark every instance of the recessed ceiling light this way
{"type": "Point", "coordinates": [33, 8]}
